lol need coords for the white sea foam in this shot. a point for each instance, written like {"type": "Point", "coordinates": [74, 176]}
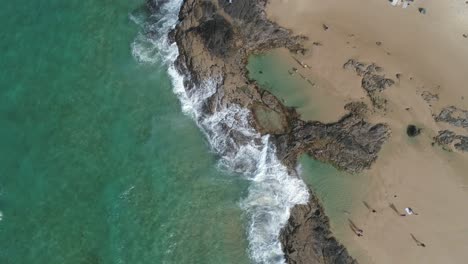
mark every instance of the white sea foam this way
{"type": "Point", "coordinates": [273, 192]}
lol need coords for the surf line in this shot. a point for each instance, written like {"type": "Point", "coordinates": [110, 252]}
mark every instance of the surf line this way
{"type": "Point", "coordinates": [272, 192]}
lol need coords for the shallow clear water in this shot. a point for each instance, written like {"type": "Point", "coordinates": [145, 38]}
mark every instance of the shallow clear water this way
{"type": "Point", "coordinates": [276, 71]}
{"type": "Point", "coordinates": [338, 191]}
{"type": "Point", "coordinates": [272, 75]}
{"type": "Point", "coordinates": [98, 164]}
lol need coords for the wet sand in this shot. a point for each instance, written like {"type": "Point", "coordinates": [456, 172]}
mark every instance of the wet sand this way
{"type": "Point", "coordinates": [430, 53]}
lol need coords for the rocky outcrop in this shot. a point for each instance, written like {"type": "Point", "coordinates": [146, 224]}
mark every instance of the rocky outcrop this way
{"type": "Point", "coordinates": [351, 144]}
{"type": "Point", "coordinates": [307, 237]}
{"type": "Point", "coordinates": [215, 39]}
{"type": "Point", "coordinates": [372, 82]}
{"type": "Point", "coordinates": [449, 139]}
{"type": "Point", "coordinates": [454, 116]}
{"type": "Point", "coordinates": [446, 138]}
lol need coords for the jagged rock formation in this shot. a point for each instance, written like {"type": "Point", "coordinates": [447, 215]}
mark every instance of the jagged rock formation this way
{"type": "Point", "coordinates": [350, 144]}
{"type": "Point", "coordinates": [307, 228]}
{"type": "Point", "coordinates": [454, 116]}
{"type": "Point", "coordinates": [446, 138]}
{"type": "Point", "coordinates": [372, 82]}
{"type": "Point", "coordinates": [215, 39]}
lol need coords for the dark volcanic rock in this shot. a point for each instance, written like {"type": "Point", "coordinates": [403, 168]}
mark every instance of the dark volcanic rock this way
{"type": "Point", "coordinates": [307, 237]}
{"type": "Point", "coordinates": [412, 130]}
{"type": "Point", "coordinates": [445, 138]}
{"type": "Point", "coordinates": [215, 39]}
{"type": "Point", "coordinates": [350, 144]}
{"type": "Point", "coordinates": [454, 116]}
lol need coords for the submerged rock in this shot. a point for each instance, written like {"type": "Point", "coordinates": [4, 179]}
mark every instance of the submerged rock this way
{"type": "Point", "coordinates": [154, 6]}
{"type": "Point", "coordinates": [269, 121]}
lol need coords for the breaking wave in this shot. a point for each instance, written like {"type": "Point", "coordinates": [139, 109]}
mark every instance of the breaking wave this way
{"type": "Point", "coordinates": [272, 192]}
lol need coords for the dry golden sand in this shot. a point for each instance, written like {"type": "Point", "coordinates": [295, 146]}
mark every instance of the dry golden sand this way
{"type": "Point", "coordinates": [431, 54]}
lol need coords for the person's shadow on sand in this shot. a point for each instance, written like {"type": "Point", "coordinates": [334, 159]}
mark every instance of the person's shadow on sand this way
{"type": "Point", "coordinates": [419, 243]}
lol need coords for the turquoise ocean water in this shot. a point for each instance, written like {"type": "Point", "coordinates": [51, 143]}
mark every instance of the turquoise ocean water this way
{"type": "Point", "coordinates": [98, 164]}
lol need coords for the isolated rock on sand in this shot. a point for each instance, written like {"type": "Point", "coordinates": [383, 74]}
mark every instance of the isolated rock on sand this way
{"type": "Point", "coordinates": [429, 97]}
{"type": "Point", "coordinates": [358, 67]}
{"type": "Point", "coordinates": [412, 130]}
{"type": "Point", "coordinates": [375, 83]}
{"type": "Point", "coordinates": [454, 116]}
{"type": "Point", "coordinates": [215, 39]}
{"type": "Point", "coordinates": [361, 68]}
{"type": "Point", "coordinates": [372, 82]}
{"type": "Point", "coordinates": [445, 138]}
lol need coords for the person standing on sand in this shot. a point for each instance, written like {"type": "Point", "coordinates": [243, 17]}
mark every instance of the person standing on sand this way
{"type": "Point", "coordinates": [410, 211]}
{"type": "Point", "coordinates": [359, 232]}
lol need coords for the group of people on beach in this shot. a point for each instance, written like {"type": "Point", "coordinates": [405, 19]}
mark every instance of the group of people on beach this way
{"type": "Point", "coordinates": [409, 211]}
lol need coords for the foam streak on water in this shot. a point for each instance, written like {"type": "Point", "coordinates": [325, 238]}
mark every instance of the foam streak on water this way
{"type": "Point", "coordinates": [272, 192]}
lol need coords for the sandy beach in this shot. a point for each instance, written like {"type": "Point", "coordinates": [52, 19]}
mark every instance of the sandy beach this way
{"type": "Point", "coordinates": [423, 54]}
